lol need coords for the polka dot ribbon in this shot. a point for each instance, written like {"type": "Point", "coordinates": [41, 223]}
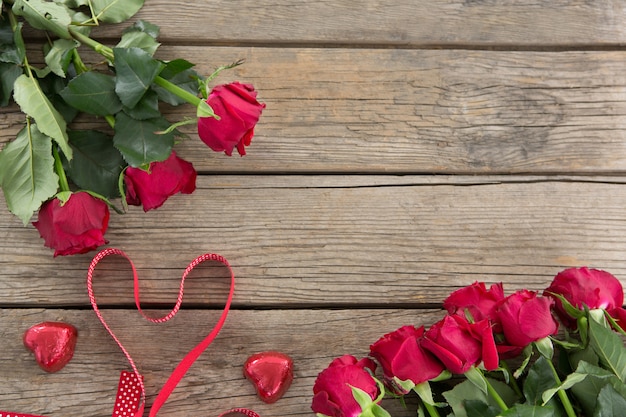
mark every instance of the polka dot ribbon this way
{"type": "Point", "coordinates": [131, 394]}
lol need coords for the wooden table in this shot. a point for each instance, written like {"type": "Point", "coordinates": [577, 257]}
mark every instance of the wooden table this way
{"type": "Point", "coordinates": [408, 148]}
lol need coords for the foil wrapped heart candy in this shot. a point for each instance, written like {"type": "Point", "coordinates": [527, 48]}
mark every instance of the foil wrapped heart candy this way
{"type": "Point", "coordinates": [271, 373]}
{"type": "Point", "coordinates": [52, 343]}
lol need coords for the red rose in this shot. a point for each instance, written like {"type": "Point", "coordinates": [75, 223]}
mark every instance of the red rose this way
{"type": "Point", "coordinates": [585, 287]}
{"type": "Point", "coordinates": [400, 355]}
{"type": "Point", "coordinates": [460, 344]}
{"type": "Point", "coordinates": [76, 226]}
{"type": "Point", "coordinates": [332, 395]}
{"type": "Point", "coordinates": [526, 318]}
{"type": "Point", "coordinates": [239, 112]}
{"type": "Point", "coordinates": [478, 301]}
{"type": "Point", "coordinates": [165, 179]}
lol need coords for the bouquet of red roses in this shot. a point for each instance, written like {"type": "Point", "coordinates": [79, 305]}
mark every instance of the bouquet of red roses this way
{"type": "Point", "coordinates": [71, 176]}
{"type": "Point", "coordinates": [578, 371]}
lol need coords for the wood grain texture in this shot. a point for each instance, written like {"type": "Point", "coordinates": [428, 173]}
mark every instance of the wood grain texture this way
{"type": "Point", "coordinates": [407, 111]}
{"type": "Point", "coordinates": [87, 385]}
{"type": "Point", "coordinates": [337, 241]}
{"type": "Point", "coordinates": [408, 148]}
{"type": "Point", "coordinates": [389, 22]}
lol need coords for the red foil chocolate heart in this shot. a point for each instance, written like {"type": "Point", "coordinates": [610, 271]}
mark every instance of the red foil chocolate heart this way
{"type": "Point", "coordinates": [271, 373]}
{"type": "Point", "coordinates": [52, 343]}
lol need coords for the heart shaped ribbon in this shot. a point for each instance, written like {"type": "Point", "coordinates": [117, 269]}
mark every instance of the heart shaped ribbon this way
{"type": "Point", "coordinates": [131, 396]}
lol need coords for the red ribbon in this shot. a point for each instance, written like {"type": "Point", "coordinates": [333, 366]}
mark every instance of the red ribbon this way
{"type": "Point", "coordinates": [131, 395]}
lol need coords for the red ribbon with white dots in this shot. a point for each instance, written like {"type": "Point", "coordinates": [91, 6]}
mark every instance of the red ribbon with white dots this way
{"type": "Point", "coordinates": [131, 393]}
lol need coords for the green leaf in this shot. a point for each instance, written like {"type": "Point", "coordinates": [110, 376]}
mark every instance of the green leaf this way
{"type": "Point", "coordinates": [136, 70]}
{"type": "Point", "coordinates": [27, 172]}
{"type": "Point", "coordinates": [60, 56]}
{"type": "Point", "coordinates": [147, 108]}
{"type": "Point", "coordinates": [8, 74]}
{"type": "Point", "coordinates": [45, 15]}
{"type": "Point", "coordinates": [526, 410]}
{"type": "Point", "coordinates": [610, 403]}
{"type": "Point", "coordinates": [139, 40]}
{"type": "Point", "coordinates": [115, 11]}
{"type": "Point", "coordinates": [539, 379]}
{"type": "Point", "coordinates": [33, 102]}
{"type": "Point", "coordinates": [175, 67]}
{"type": "Point", "coordinates": [588, 390]}
{"type": "Point", "coordinates": [82, 22]}
{"type": "Point", "coordinates": [92, 92]}
{"type": "Point", "coordinates": [466, 390]}
{"type": "Point", "coordinates": [609, 347]}
{"type": "Point", "coordinates": [97, 164]}
{"type": "Point", "coordinates": [73, 4]}
{"type": "Point", "coordinates": [12, 48]}
{"type": "Point", "coordinates": [144, 26]}
{"type": "Point", "coordinates": [477, 408]}
{"type": "Point", "coordinates": [138, 141]}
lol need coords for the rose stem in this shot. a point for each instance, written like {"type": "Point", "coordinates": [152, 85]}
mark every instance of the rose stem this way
{"type": "Point", "coordinates": [496, 397]}
{"type": "Point", "coordinates": [512, 381]}
{"type": "Point", "coordinates": [58, 167]}
{"type": "Point", "coordinates": [432, 410]}
{"type": "Point", "coordinates": [569, 410]}
{"type": "Point", "coordinates": [160, 81]}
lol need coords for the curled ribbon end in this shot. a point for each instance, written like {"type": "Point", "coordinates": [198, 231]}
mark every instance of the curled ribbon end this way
{"type": "Point", "coordinates": [128, 402]}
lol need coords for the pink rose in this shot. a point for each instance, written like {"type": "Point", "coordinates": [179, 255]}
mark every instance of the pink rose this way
{"type": "Point", "coordinates": [332, 395]}
{"type": "Point", "coordinates": [74, 227]}
{"type": "Point", "coordinates": [460, 344]}
{"type": "Point", "coordinates": [586, 287]}
{"type": "Point", "coordinates": [478, 301]}
{"type": "Point", "coordinates": [400, 355]}
{"type": "Point", "coordinates": [526, 318]}
{"type": "Point", "coordinates": [163, 180]}
{"type": "Point", "coordinates": [239, 112]}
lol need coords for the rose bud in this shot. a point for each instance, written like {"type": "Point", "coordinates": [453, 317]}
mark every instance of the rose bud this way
{"type": "Point", "coordinates": [75, 226]}
{"type": "Point", "coordinates": [526, 318]}
{"type": "Point", "coordinates": [332, 392]}
{"type": "Point", "coordinates": [460, 344]}
{"type": "Point", "coordinates": [402, 357]}
{"type": "Point", "coordinates": [593, 288]}
{"type": "Point", "coordinates": [164, 179]}
{"type": "Point", "coordinates": [238, 111]}
{"type": "Point", "coordinates": [477, 301]}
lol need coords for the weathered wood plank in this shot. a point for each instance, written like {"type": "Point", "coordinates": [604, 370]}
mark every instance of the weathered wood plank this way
{"type": "Point", "coordinates": [310, 241]}
{"type": "Point", "coordinates": [409, 111]}
{"type": "Point", "coordinates": [389, 22]}
{"type": "Point", "coordinates": [86, 386]}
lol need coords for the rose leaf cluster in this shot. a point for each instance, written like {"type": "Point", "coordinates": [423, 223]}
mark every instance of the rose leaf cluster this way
{"type": "Point", "coordinates": [72, 177]}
